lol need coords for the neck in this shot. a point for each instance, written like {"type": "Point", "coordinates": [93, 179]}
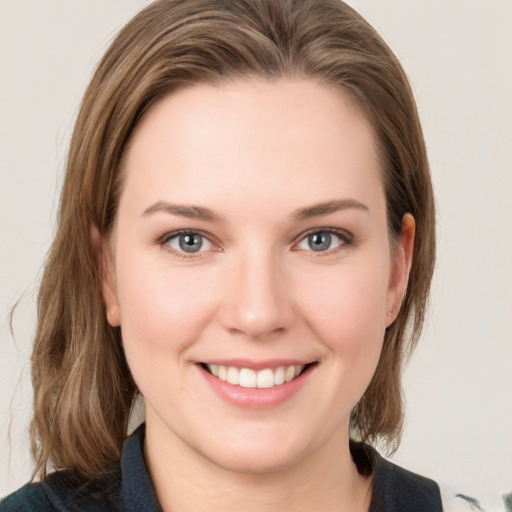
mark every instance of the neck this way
{"type": "Point", "coordinates": [187, 481]}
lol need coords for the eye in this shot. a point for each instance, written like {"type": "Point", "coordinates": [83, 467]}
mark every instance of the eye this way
{"type": "Point", "coordinates": [189, 242]}
{"type": "Point", "coordinates": [323, 241]}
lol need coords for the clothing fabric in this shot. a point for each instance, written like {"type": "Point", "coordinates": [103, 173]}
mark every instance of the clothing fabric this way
{"type": "Point", "coordinates": [130, 489]}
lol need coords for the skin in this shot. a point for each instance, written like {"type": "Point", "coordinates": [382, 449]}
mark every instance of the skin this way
{"type": "Point", "coordinates": [254, 153]}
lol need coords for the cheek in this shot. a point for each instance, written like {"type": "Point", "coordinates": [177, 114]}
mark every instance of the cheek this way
{"type": "Point", "coordinates": [349, 303]}
{"type": "Point", "coordinates": [162, 309]}
{"type": "Point", "coordinates": [347, 312]}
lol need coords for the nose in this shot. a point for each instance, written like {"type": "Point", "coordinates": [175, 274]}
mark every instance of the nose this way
{"type": "Point", "coordinates": [258, 299]}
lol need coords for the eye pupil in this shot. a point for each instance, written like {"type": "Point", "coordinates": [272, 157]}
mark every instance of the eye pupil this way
{"type": "Point", "coordinates": [190, 243]}
{"type": "Point", "coordinates": [319, 241]}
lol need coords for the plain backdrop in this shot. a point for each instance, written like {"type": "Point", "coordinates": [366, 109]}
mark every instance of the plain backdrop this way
{"type": "Point", "coordinates": [457, 54]}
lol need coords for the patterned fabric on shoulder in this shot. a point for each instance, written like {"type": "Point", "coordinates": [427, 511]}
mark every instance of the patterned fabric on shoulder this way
{"type": "Point", "coordinates": [454, 501]}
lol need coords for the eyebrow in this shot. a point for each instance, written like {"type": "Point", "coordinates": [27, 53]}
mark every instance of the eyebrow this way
{"type": "Point", "coordinates": [321, 209]}
{"type": "Point", "coordinates": [182, 210]}
{"type": "Point", "coordinates": [205, 214]}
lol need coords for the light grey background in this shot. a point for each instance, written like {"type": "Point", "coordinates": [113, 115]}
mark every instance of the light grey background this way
{"type": "Point", "coordinates": [457, 54]}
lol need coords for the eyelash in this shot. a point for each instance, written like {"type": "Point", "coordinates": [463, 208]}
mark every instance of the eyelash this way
{"type": "Point", "coordinates": [346, 238]}
{"type": "Point", "coordinates": [164, 240]}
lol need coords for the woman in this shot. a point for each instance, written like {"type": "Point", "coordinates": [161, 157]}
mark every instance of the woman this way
{"type": "Point", "coordinates": [246, 239]}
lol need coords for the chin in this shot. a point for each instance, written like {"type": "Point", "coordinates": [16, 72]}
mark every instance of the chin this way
{"type": "Point", "coordinates": [257, 460]}
{"type": "Point", "coordinates": [260, 451]}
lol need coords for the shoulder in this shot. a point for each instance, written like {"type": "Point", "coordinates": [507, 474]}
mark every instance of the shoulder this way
{"type": "Point", "coordinates": [404, 490]}
{"type": "Point", "coordinates": [61, 492]}
{"type": "Point", "coordinates": [395, 489]}
{"type": "Point", "coordinates": [128, 487]}
{"type": "Point", "coordinates": [29, 498]}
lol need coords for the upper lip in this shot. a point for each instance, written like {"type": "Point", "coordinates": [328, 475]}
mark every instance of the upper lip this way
{"type": "Point", "coordinates": [257, 365]}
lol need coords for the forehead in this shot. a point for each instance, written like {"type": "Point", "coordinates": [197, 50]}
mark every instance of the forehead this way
{"type": "Point", "coordinates": [256, 138]}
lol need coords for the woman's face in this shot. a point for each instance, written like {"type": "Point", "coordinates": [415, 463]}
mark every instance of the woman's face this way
{"type": "Point", "coordinates": [251, 245]}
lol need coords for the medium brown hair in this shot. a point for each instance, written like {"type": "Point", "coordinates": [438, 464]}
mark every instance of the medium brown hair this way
{"type": "Point", "coordinates": [83, 389]}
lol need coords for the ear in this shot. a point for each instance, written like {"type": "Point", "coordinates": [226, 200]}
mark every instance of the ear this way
{"type": "Point", "coordinates": [400, 268]}
{"type": "Point", "coordinates": [106, 273]}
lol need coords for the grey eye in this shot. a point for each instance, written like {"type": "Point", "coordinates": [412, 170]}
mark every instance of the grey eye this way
{"type": "Point", "coordinates": [323, 241]}
{"type": "Point", "coordinates": [190, 242]}
{"type": "Point", "coordinates": [319, 241]}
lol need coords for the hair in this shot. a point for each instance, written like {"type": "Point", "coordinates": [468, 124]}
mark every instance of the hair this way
{"type": "Point", "coordinates": [83, 388]}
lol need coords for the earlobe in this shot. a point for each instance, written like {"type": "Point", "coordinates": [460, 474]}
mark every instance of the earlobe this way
{"type": "Point", "coordinates": [401, 266]}
{"type": "Point", "coordinates": [106, 273]}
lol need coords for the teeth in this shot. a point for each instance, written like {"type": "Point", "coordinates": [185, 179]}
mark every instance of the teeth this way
{"type": "Point", "coordinates": [233, 375]}
{"type": "Point", "coordinates": [289, 373]}
{"type": "Point", "coordinates": [265, 379]}
{"type": "Point", "coordinates": [247, 378]}
{"type": "Point", "coordinates": [279, 376]}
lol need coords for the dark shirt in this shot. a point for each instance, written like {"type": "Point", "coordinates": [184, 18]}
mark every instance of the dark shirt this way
{"type": "Point", "coordinates": [129, 489]}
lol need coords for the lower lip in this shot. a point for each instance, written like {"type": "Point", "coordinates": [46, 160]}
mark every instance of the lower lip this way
{"type": "Point", "coordinates": [256, 398]}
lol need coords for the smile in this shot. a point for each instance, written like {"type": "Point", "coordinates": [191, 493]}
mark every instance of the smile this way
{"type": "Point", "coordinates": [247, 378]}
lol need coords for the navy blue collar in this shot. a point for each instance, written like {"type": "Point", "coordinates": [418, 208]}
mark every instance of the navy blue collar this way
{"type": "Point", "coordinates": [394, 489]}
{"type": "Point", "coordinates": [137, 492]}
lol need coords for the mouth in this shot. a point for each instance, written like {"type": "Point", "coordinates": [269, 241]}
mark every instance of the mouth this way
{"type": "Point", "coordinates": [264, 378]}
